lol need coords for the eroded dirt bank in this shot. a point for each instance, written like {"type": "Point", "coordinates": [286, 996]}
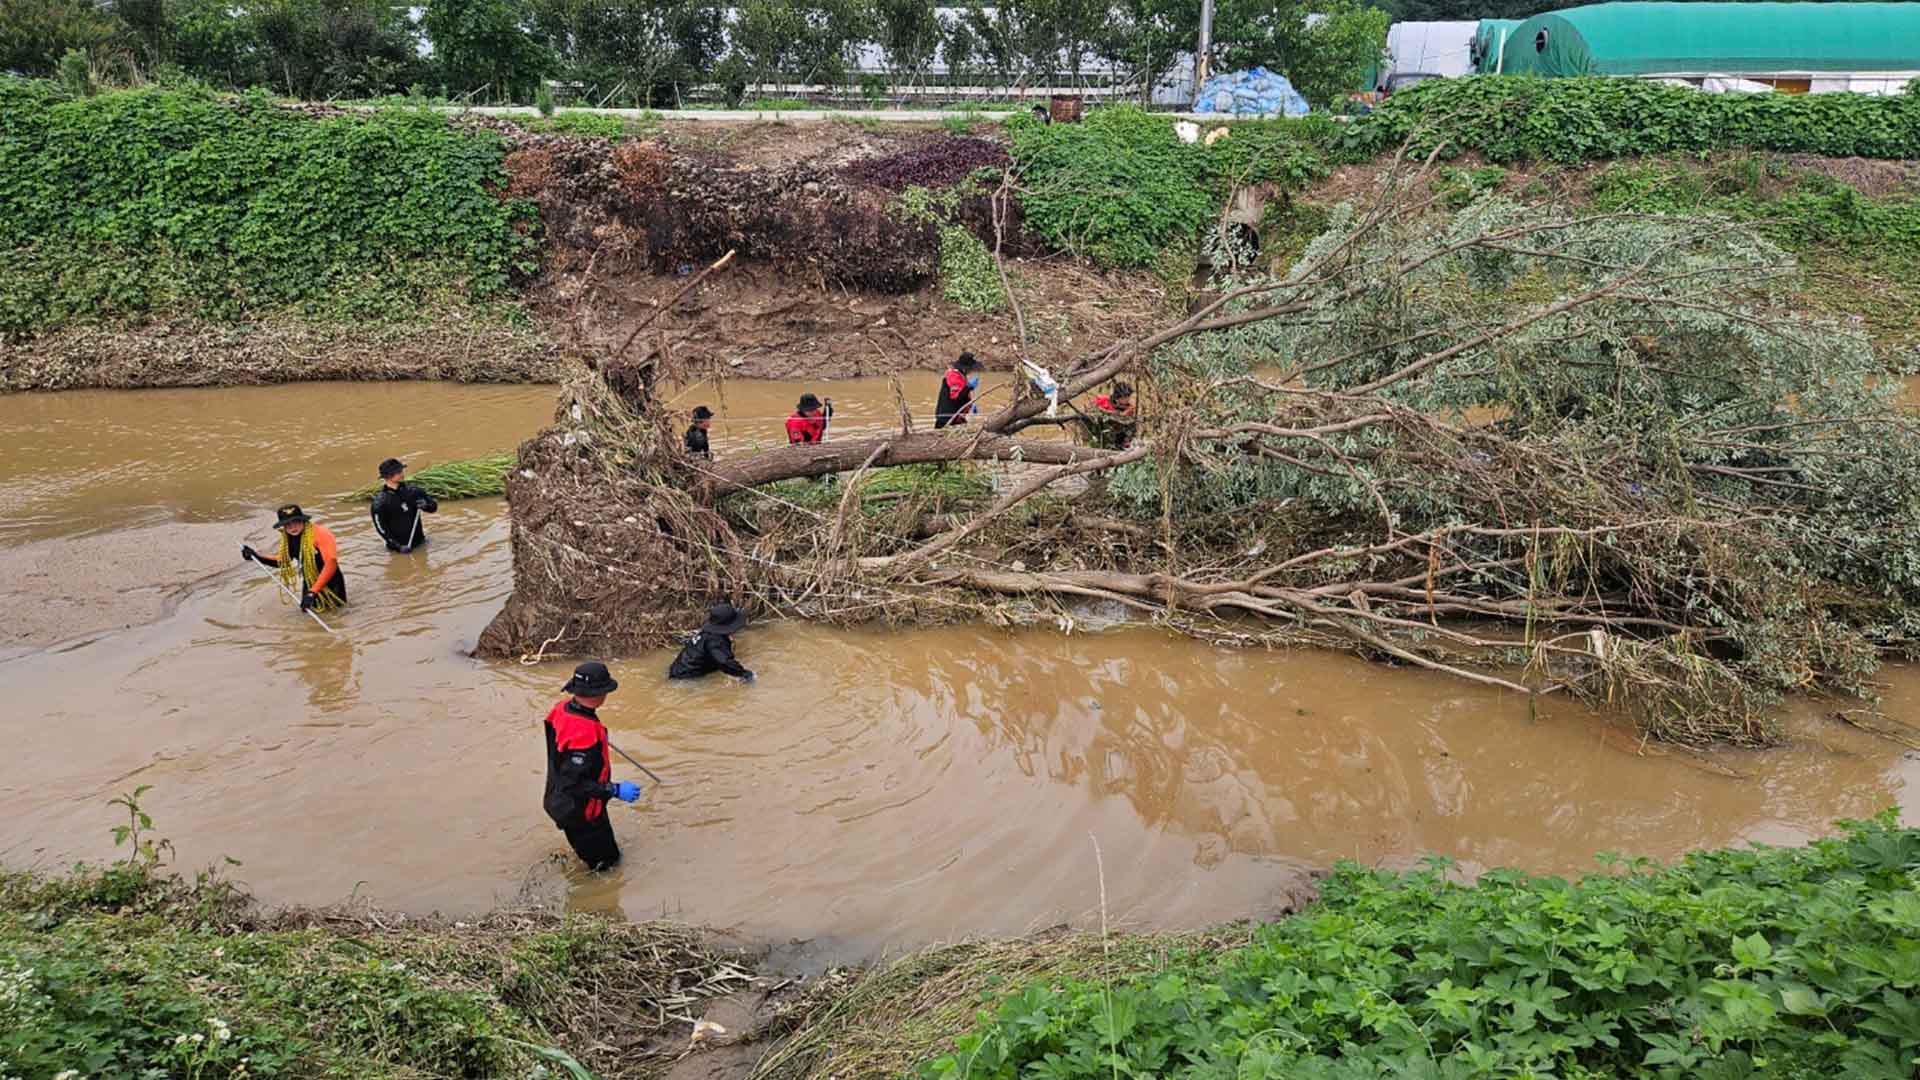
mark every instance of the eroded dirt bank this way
{"type": "Point", "coordinates": [185, 352]}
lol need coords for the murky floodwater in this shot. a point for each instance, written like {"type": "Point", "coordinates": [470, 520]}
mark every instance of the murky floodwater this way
{"type": "Point", "coordinates": [872, 788]}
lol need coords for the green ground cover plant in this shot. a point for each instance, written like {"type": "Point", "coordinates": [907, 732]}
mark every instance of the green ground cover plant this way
{"type": "Point", "coordinates": [140, 202]}
{"type": "Point", "coordinates": [1859, 253]}
{"type": "Point", "coordinates": [1120, 186]}
{"type": "Point", "coordinates": [128, 970]}
{"type": "Point", "coordinates": [1779, 962]}
{"type": "Point", "coordinates": [1510, 118]}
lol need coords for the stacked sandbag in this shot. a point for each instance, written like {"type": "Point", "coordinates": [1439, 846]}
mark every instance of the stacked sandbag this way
{"type": "Point", "coordinates": [1250, 93]}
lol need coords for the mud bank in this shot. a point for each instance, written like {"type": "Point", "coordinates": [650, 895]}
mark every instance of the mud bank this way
{"type": "Point", "coordinates": [182, 353]}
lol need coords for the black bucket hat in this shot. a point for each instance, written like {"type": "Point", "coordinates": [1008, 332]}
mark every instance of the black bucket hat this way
{"type": "Point", "coordinates": [391, 466]}
{"type": "Point", "coordinates": [289, 513]}
{"type": "Point", "coordinates": [724, 619]}
{"type": "Point", "coordinates": [808, 401]}
{"type": "Point", "coordinates": [701, 412]}
{"type": "Point", "coordinates": [591, 679]}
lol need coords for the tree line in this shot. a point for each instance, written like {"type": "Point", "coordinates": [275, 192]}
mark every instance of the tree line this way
{"type": "Point", "coordinates": [651, 52]}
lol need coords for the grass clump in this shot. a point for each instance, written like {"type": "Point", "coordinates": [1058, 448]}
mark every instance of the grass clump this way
{"type": "Point", "coordinates": [937, 485]}
{"type": "Point", "coordinates": [474, 478]}
{"type": "Point", "coordinates": [1761, 962]}
{"type": "Point", "coordinates": [592, 124]}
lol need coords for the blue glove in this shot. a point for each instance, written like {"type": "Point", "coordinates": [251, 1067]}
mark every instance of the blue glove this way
{"type": "Point", "coordinates": [973, 382]}
{"type": "Point", "coordinates": [626, 791]}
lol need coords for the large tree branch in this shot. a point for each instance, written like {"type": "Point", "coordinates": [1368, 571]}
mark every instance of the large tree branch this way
{"type": "Point", "coordinates": [950, 444]}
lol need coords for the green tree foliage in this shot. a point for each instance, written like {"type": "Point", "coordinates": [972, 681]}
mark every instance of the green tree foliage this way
{"type": "Point", "coordinates": [1763, 962]}
{"type": "Point", "coordinates": [1036, 42]}
{"type": "Point", "coordinates": [1508, 118]}
{"type": "Point", "coordinates": [637, 51]}
{"type": "Point", "coordinates": [1145, 39]}
{"type": "Point", "coordinates": [1325, 58]}
{"type": "Point", "coordinates": [145, 201]}
{"type": "Point", "coordinates": [486, 46]}
{"type": "Point", "coordinates": [35, 34]}
{"type": "Point", "coordinates": [909, 33]}
{"type": "Point", "coordinates": [315, 49]}
{"type": "Point", "coordinates": [808, 41]}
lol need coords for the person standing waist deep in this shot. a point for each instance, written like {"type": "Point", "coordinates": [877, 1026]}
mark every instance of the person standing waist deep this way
{"type": "Point", "coordinates": [580, 768]}
{"type": "Point", "coordinates": [397, 507]}
{"type": "Point", "coordinates": [309, 555]}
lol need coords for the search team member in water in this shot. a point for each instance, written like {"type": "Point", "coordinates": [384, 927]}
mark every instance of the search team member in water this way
{"type": "Point", "coordinates": [580, 768]}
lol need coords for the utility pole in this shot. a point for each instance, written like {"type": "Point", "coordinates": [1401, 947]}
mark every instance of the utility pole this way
{"type": "Point", "coordinates": [1206, 45]}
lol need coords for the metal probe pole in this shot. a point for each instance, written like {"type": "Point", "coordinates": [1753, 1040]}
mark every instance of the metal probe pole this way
{"type": "Point", "coordinates": [283, 588]}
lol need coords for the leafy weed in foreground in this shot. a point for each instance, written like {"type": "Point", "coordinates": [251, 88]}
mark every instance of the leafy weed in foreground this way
{"type": "Point", "coordinates": [1799, 962]}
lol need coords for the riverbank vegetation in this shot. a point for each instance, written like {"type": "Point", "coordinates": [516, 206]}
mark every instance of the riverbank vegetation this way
{"type": "Point", "coordinates": [132, 970]}
{"type": "Point", "coordinates": [148, 204]}
{"type": "Point", "coordinates": [1768, 962]}
{"type": "Point", "coordinates": [1789, 962]}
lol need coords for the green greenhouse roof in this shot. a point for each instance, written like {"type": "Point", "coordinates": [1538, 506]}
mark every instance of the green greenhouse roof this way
{"type": "Point", "coordinates": [1650, 38]}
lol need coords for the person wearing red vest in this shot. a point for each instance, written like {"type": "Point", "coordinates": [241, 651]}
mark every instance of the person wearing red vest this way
{"type": "Point", "coordinates": [954, 399]}
{"type": "Point", "coordinates": [808, 424]}
{"type": "Point", "coordinates": [580, 768]}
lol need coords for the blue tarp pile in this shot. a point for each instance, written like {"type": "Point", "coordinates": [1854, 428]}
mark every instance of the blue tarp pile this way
{"type": "Point", "coordinates": [1250, 93]}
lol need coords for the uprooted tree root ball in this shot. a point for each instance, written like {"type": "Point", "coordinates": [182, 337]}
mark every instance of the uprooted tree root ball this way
{"type": "Point", "coordinates": [659, 205]}
{"type": "Point", "coordinates": [1592, 455]}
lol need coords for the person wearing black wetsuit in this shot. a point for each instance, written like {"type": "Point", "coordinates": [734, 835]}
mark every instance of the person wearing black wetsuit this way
{"type": "Point", "coordinates": [712, 648]}
{"type": "Point", "coordinates": [397, 507]}
{"type": "Point", "coordinates": [695, 439]}
{"type": "Point", "coordinates": [580, 768]}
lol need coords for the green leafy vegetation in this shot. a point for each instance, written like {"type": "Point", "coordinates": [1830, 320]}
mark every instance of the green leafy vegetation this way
{"type": "Point", "coordinates": [1744, 963]}
{"type": "Point", "coordinates": [968, 276]}
{"type": "Point", "coordinates": [1860, 253]}
{"type": "Point", "coordinates": [474, 478]}
{"type": "Point", "coordinates": [1121, 186]}
{"type": "Point", "coordinates": [1508, 118]}
{"type": "Point", "coordinates": [592, 124]}
{"type": "Point", "coordinates": [128, 970]}
{"type": "Point", "coordinates": [142, 202]}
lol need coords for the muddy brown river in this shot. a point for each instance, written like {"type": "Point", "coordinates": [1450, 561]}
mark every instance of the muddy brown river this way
{"type": "Point", "coordinates": [872, 789]}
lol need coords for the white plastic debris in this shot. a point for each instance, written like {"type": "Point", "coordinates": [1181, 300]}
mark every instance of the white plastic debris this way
{"type": "Point", "coordinates": [1188, 131]}
{"type": "Point", "coordinates": [1044, 382]}
{"type": "Point", "coordinates": [706, 1029]}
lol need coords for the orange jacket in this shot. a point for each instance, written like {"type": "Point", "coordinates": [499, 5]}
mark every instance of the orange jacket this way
{"type": "Point", "coordinates": [328, 550]}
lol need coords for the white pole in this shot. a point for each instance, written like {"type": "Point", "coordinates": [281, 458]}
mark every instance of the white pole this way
{"type": "Point", "coordinates": [1206, 45]}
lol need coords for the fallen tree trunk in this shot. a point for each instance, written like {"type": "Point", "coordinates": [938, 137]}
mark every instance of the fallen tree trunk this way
{"type": "Point", "coordinates": [820, 459]}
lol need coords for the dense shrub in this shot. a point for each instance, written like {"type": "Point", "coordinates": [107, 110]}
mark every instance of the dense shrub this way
{"type": "Point", "coordinates": [1510, 118]}
{"type": "Point", "coordinates": [1763, 962]}
{"type": "Point", "coordinates": [1121, 186]}
{"type": "Point", "coordinates": [151, 200]}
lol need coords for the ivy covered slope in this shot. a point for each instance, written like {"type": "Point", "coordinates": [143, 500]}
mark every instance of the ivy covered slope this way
{"type": "Point", "coordinates": [150, 206]}
{"type": "Point", "coordinates": [1790, 963]}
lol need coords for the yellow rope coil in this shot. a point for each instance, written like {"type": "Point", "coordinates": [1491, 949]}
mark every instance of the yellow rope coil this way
{"type": "Point", "coordinates": [307, 567]}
